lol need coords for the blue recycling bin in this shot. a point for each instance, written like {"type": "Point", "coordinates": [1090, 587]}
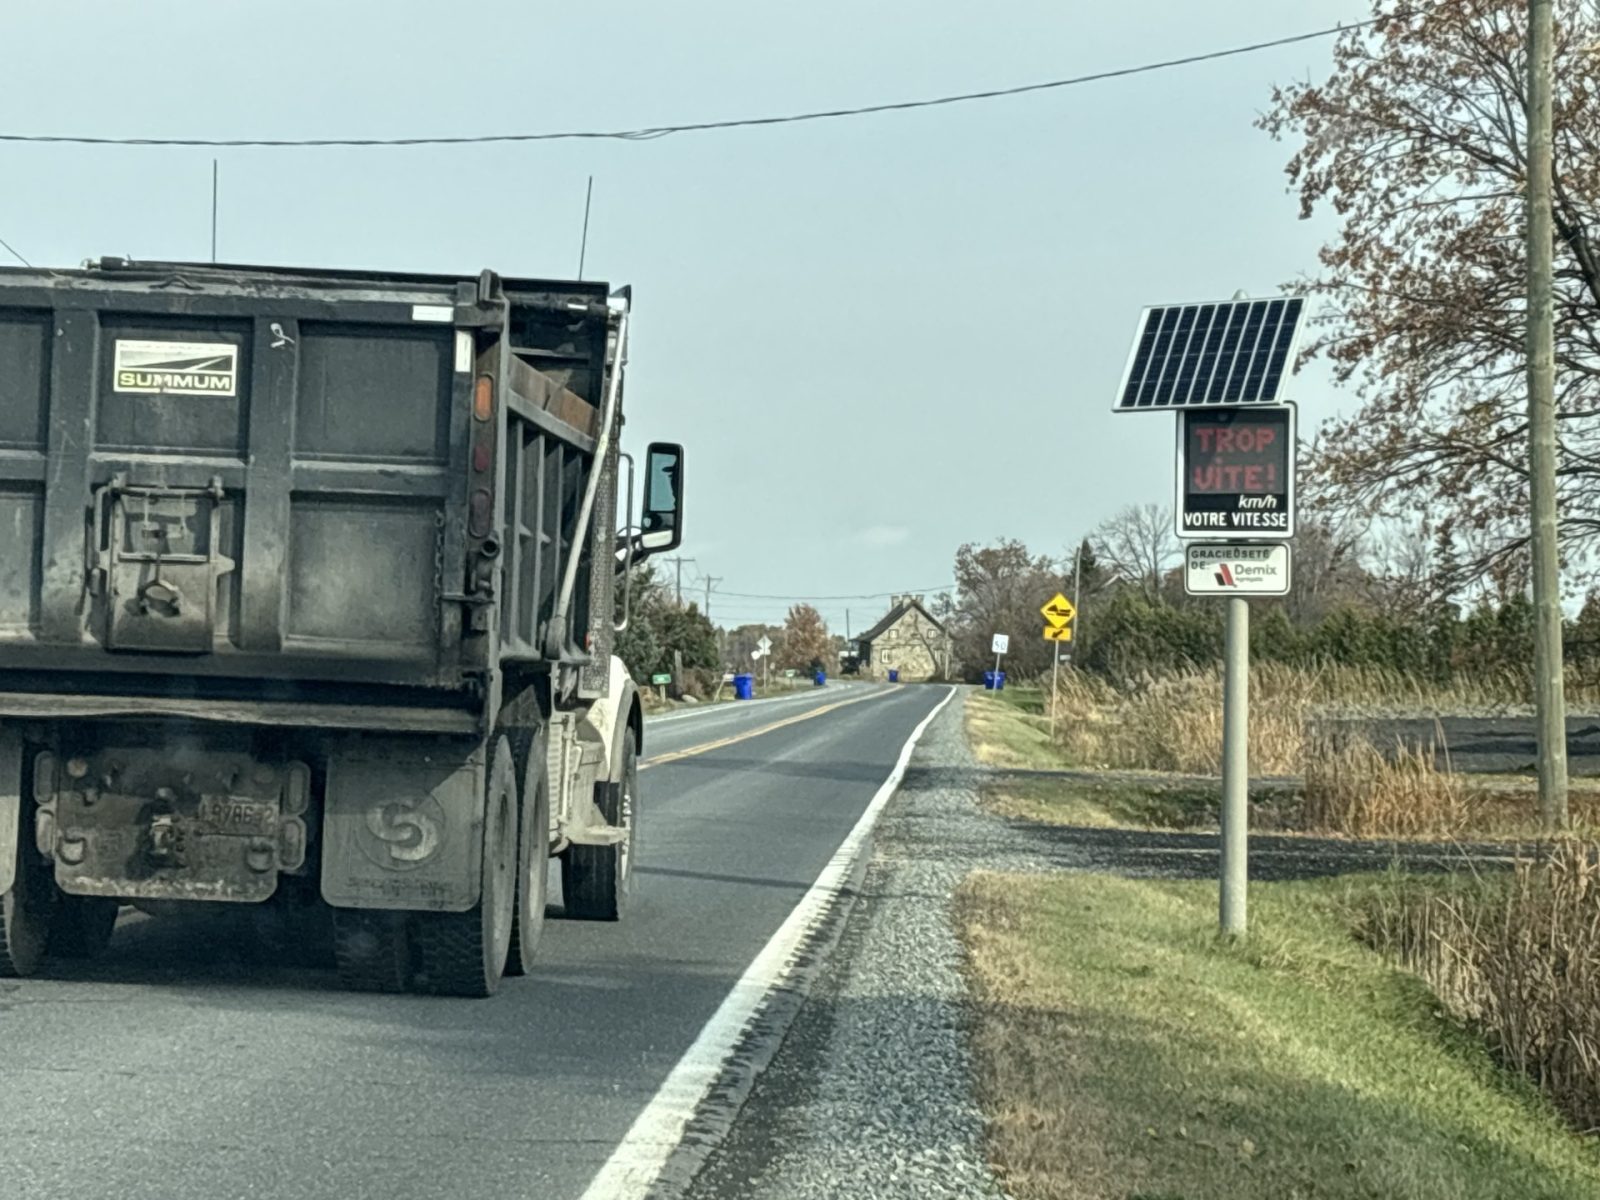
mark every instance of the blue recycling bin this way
{"type": "Point", "coordinates": [999, 681]}
{"type": "Point", "coordinates": [994, 681]}
{"type": "Point", "coordinates": [820, 678]}
{"type": "Point", "coordinates": [744, 687]}
{"type": "Point", "coordinates": [894, 675]}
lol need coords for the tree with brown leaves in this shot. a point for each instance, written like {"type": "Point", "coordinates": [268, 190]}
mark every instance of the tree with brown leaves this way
{"type": "Point", "coordinates": [804, 641]}
{"type": "Point", "coordinates": [1417, 141]}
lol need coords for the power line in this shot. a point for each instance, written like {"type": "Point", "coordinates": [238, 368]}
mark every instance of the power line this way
{"type": "Point", "coordinates": [943, 587]}
{"type": "Point", "coordinates": [10, 249]}
{"type": "Point", "coordinates": [651, 132]}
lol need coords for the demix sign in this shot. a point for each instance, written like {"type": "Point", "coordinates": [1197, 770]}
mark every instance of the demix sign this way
{"type": "Point", "coordinates": [1258, 569]}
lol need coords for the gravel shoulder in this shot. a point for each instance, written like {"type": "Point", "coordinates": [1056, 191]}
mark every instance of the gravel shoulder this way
{"type": "Point", "coordinates": [870, 1094]}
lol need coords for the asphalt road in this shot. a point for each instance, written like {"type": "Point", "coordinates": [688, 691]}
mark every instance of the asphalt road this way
{"type": "Point", "coordinates": [1487, 744]}
{"type": "Point", "coordinates": [181, 1067]}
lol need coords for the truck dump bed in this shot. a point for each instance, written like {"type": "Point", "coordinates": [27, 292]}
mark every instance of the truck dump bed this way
{"type": "Point", "coordinates": [263, 495]}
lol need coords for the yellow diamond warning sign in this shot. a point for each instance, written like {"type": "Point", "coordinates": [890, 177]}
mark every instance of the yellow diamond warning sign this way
{"type": "Point", "coordinates": [1059, 611]}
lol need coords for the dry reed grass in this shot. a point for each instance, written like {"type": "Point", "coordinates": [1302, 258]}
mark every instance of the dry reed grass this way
{"type": "Point", "coordinates": [1353, 788]}
{"type": "Point", "coordinates": [1174, 723]}
{"type": "Point", "coordinates": [1517, 957]}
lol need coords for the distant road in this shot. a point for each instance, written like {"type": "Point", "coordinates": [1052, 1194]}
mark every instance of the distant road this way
{"type": "Point", "coordinates": [1491, 744]}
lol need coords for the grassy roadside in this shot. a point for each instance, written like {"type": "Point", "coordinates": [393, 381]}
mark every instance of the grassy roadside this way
{"type": "Point", "coordinates": [1122, 1052]}
{"type": "Point", "coordinates": [1008, 729]}
{"type": "Point", "coordinates": [1356, 790]}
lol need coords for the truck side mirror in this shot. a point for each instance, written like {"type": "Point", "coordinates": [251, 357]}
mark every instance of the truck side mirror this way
{"type": "Point", "coordinates": [661, 527]}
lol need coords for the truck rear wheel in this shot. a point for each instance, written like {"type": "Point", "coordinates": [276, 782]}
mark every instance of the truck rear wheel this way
{"type": "Point", "coordinates": [25, 911]}
{"type": "Point", "coordinates": [371, 950]}
{"type": "Point", "coordinates": [596, 881]}
{"type": "Point", "coordinates": [464, 954]}
{"type": "Point", "coordinates": [81, 926]}
{"type": "Point", "coordinates": [533, 858]}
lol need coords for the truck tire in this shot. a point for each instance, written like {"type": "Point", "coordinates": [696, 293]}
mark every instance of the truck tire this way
{"type": "Point", "coordinates": [533, 857]}
{"type": "Point", "coordinates": [25, 911]}
{"type": "Point", "coordinates": [464, 954]}
{"type": "Point", "coordinates": [81, 926]}
{"type": "Point", "coordinates": [370, 950]}
{"type": "Point", "coordinates": [596, 881]}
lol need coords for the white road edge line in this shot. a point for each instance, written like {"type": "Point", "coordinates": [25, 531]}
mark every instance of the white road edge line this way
{"type": "Point", "coordinates": [644, 1150]}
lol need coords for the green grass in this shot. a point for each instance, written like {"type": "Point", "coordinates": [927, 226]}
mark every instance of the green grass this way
{"type": "Point", "coordinates": [1003, 732]}
{"type": "Point", "coordinates": [1024, 699]}
{"type": "Point", "coordinates": [1123, 1051]}
{"type": "Point", "coordinates": [1106, 805]}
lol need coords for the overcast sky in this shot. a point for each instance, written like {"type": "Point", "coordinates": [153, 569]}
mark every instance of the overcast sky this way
{"type": "Point", "coordinates": [877, 338]}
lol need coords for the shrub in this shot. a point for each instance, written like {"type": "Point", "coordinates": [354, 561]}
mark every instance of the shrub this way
{"type": "Point", "coordinates": [1519, 959]}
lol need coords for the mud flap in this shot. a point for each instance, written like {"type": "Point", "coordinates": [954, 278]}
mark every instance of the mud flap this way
{"type": "Point", "coordinates": [10, 804]}
{"type": "Point", "coordinates": [403, 826]}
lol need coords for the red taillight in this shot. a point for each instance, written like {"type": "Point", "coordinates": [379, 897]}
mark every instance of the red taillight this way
{"type": "Point", "coordinates": [483, 398]}
{"type": "Point", "coordinates": [480, 517]}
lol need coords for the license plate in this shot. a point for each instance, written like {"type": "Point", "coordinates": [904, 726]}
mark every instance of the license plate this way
{"type": "Point", "coordinates": [240, 818]}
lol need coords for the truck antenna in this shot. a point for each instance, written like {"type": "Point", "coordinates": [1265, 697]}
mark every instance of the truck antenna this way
{"type": "Point", "coordinates": [214, 173]}
{"type": "Point", "coordinates": [583, 246]}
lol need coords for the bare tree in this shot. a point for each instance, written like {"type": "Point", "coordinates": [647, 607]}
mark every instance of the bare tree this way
{"type": "Point", "coordinates": [1416, 141]}
{"type": "Point", "coordinates": [1330, 567]}
{"type": "Point", "coordinates": [1139, 546]}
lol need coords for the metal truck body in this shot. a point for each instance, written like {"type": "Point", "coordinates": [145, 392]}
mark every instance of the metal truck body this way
{"type": "Point", "coordinates": [306, 597]}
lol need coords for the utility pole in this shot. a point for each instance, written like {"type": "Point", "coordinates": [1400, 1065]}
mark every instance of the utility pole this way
{"type": "Point", "coordinates": [710, 579]}
{"type": "Point", "coordinates": [1549, 694]}
{"type": "Point", "coordinates": [678, 560]}
{"type": "Point", "coordinates": [1077, 584]}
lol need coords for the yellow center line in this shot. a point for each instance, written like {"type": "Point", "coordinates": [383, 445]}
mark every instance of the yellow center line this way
{"type": "Point", "coordinates": [704, 747]}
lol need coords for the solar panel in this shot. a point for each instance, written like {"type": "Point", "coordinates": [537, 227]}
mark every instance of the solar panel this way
{"type": "Point", "coordinates": [1205, 355]}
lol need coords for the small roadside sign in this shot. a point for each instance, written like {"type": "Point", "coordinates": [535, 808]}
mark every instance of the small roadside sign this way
{"type": "Point", "coordinates": [1250, 569]}
{"type": "Point", "coordinates": [664, 677]}
{"type": "Point", "coordinates": [1059, 611]}
{"type": "Point", "coordinates": [764, 645]}
{"type": "Point", "coordinates": [1001, 644]}
{"type": "Point", "coordinates": [1058, 633]}
{"type": "Point", "coordinates": [1236, 472]}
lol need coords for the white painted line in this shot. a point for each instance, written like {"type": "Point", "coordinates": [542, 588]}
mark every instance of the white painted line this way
{"type": "Point", "coordinates": [644, 1150]}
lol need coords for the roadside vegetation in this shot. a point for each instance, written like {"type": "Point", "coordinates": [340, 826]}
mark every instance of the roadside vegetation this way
{"type": "Point", "coordinates": [1123, 1051]}
{"type": "Point", "coordinates": [1147, 756]}
{"type": "Point", "coordinates": [1512, 957]}
{"type": "Point", "coordinates": [1517, 957]}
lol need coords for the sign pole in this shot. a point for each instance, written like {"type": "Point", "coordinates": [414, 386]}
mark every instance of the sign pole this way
{"type": "Point", "coordinates": [1055, 668]}
{"type": "Point", "coordinates": [1235, 767]}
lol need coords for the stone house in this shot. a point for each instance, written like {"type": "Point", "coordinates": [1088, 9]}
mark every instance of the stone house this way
{"type": "Point", "coordinates": [909, 639]}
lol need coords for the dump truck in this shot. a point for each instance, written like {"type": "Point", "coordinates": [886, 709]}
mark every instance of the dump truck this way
{"type": "Point", "coordinates": [309, 583]}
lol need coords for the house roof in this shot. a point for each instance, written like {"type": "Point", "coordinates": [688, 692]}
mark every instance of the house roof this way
{"type": "Point", "coordinates": [900, 609]}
